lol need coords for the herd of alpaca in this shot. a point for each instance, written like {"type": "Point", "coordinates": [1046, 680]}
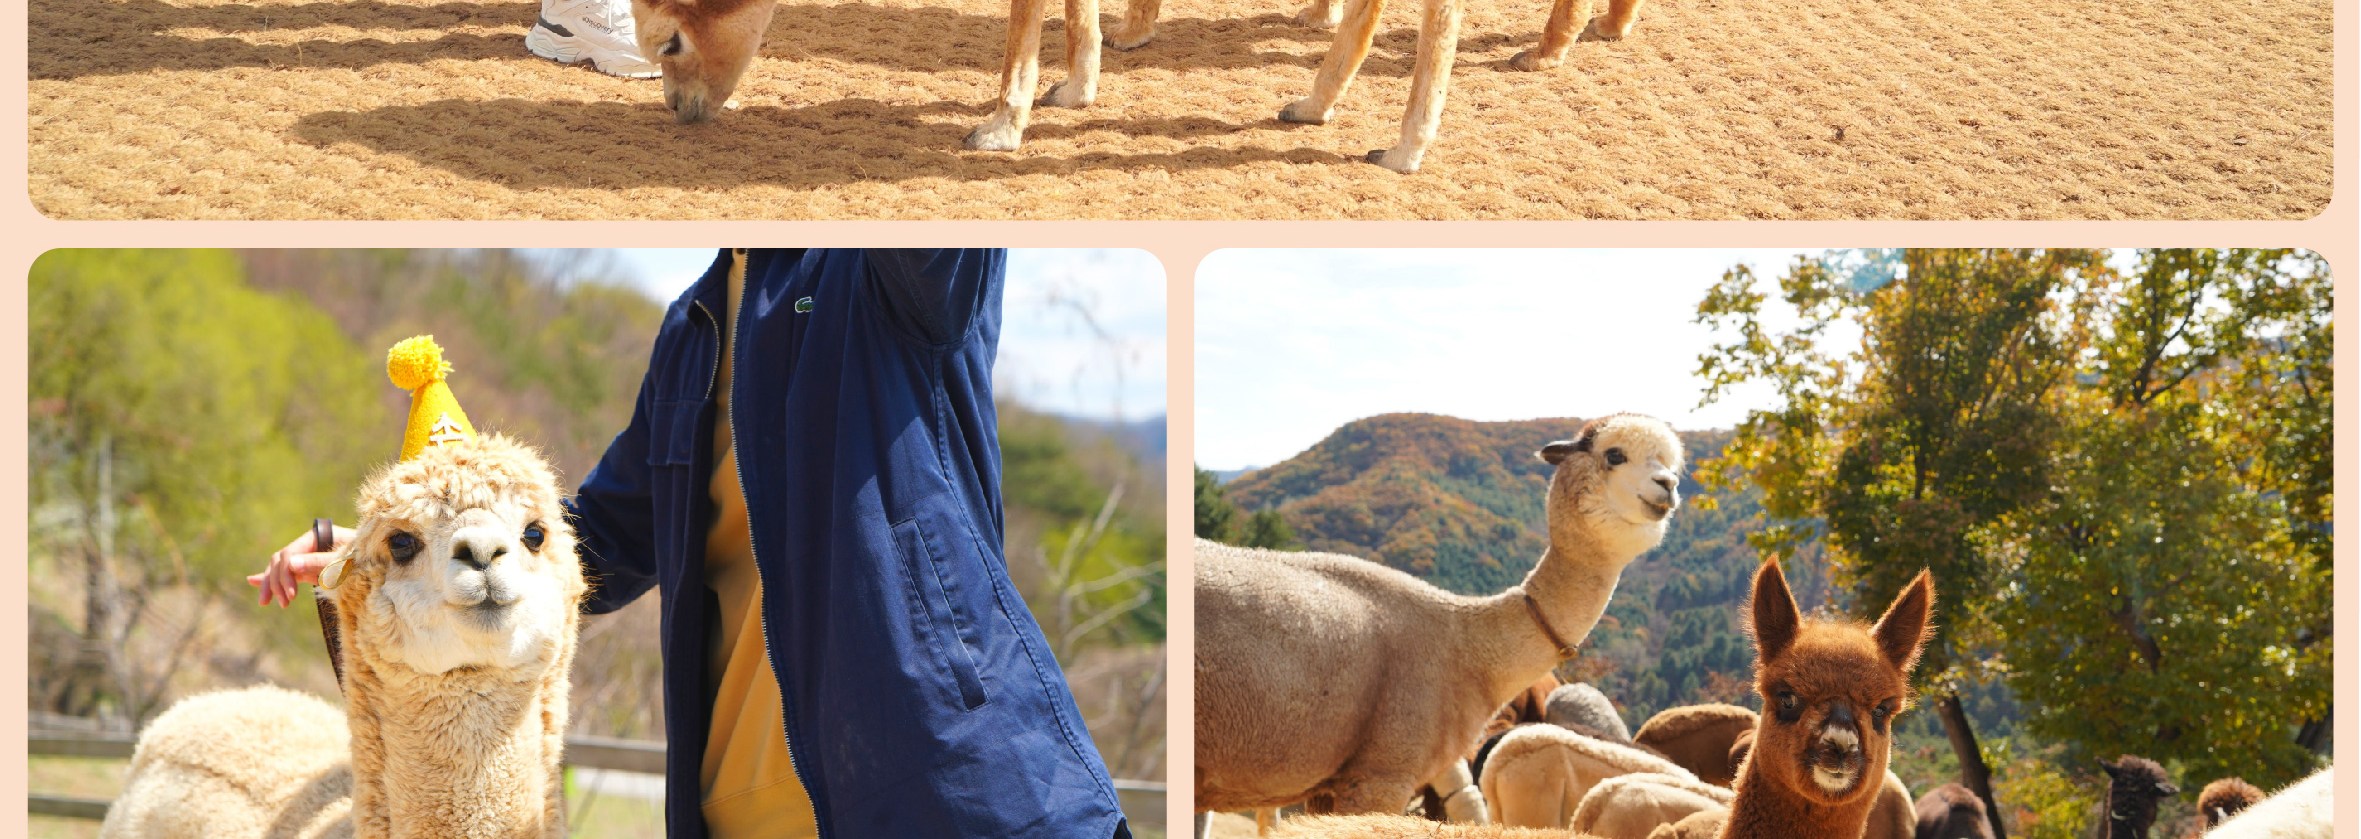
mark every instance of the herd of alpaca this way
{"type": "Point", "coordinates": [1408, 674]}
{"type": "Point", "coordinates": [458, 601]}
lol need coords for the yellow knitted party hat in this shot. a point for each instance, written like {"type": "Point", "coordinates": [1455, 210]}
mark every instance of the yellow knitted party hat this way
{"type": "Point", "coordinates": [416, 365]}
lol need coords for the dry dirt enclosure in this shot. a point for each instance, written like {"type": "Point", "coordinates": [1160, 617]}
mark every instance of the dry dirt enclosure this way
{"type": "Point", "coordinates": [1937, 109]}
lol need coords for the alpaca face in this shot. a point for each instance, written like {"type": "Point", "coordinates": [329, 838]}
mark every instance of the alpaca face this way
{"type": "Point", "coordinates": [1831, 691]}
{"type": "Point", "coordinates": [463, 559]}
{"type": "Point", "coordinates": [1625, 470]}
{"type": "Point", "coordinates": [703, 48]}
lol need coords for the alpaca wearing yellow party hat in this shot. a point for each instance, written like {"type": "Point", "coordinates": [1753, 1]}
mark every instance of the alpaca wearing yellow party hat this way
{"type": "Point", "coordinates": [457, 598]}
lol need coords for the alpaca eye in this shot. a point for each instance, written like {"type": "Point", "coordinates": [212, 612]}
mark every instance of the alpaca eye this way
{"type": "Point", "coordinates": [671, 47]}
{"type": "Point", "coordinates": [1789, 706]}
{"type": "Point", "coordinates": [533, 536]}
{"type": "Point", "coordinates": [403, 546]}
{"type": "Point", "coordinates": [1615, 457]}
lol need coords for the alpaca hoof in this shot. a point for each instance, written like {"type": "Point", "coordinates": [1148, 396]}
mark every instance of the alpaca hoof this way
{"type": "Point", "coordinates": [1322, 20]}
{"type": "Point", "coordinates": [1404, 163]}
{"type": "Point", "coordinates": [1531, 61]}
{"type": "Point", "coordinates": [1303, 112]}
{"type": "Point", "coordinates": [1123, 40]}
{"type": "Point", "coordinates": [1592, 32]}
{"type": "Point", "coordinates": [996, 135]}
{"type": "Point", "coordinates": [1070, 94]}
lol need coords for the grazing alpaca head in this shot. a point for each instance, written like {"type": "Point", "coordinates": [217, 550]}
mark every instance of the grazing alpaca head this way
{"type": "Point", "coordinates": [1831, 690]}
{"type": "Point", "coordinates": [2134, 786]}
{"type": "Point", "coordinates": [462, 559]}
{"type": "Point", "coordinates": [703, 47]}
{"type": "Point", "coordinates": [1618, 479]}
{"type": "Point", "coordinates": [2225, 798]}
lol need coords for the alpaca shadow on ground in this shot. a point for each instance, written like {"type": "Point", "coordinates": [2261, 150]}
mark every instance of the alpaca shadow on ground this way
{"type": "Point", "coordinates": [529, 145]}
{"type": "Point", "coordinates": [72, 39]}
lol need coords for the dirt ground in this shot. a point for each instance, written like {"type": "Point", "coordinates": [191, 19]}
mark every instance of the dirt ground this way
{"type": "Point", "coordinates": [1713, 109]}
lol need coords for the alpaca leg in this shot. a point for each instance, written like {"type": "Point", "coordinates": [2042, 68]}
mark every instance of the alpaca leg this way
{"type": "Point", "coordinates": [1556, 36]}
{"type": "Point", "coordinates": [1321, 14]}
{"type": "Point", "coordinates": [1344, 59]}
{"type": "Point", "coordinates": [1139, 24]}
{"type": "Point", "coordinates": [1081, 86]}
{"type": "Point", "coordinates": [1615, 24]}
{"type": "Point", "coordinates": [1438, 43]}
{"type": "Point", "coordinates": [1020, 71]}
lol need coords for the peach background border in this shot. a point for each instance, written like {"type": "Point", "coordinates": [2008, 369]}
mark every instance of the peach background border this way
{"type": "Point", "coordinates": [25, 234]}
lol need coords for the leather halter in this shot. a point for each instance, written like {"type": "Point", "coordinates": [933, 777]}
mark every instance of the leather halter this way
{"type": "Point", "coordinates": [1565, 650]}
{"type": "Point", "coordinates": [324, 534]}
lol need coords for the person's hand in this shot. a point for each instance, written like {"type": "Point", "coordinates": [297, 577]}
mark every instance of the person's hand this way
{"type": "Point", "coordinates": [299, 562]}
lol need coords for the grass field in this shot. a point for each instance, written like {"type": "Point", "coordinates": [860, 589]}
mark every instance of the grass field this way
{"type": "Point", "coordinates": [1711, 109]}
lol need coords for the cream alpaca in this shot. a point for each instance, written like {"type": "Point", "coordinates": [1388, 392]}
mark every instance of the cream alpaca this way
{"type": "Point", "coordinates": [1539, 774]}
{"type": "Point", "coordinates": [1833, 689]}
{"type": "Point", "coordinates": [458, 599]}
{"type": "Point", "coordinates": [1633, 806]}
{"type": "Point", "coordinates": [1344, 683]}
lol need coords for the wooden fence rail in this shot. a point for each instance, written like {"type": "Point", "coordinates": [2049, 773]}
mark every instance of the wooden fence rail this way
{"type": "Point", "coordinates": [1143, 801]}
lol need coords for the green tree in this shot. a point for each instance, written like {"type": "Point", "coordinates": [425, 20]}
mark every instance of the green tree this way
{"type": "Point", "coordinates": [1217, 518]}
{"type": "Point", "coordinates": [2106, 474]}
{"type": "Point", "coordinates": [2162, 599]}
{"type": "Point", "coordinates": [184, 425]}
{"type": "Point", "coordinates": [1267, 529]}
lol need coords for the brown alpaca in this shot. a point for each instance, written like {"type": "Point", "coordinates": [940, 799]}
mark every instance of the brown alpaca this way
{"type": "Point", "coordinates": [2225, 798]}
{"type": "Point", "coordinates": [703, 47]}
{"type": "Point", "coordinates": [1699, 738]}
{"type": "Point", "coordinates": [1830, 693]}
{"type": "Point", "coordinates": [1818, 766]}
{"type": "Point", "coordinates": [1952, 811]}
{"type": "Point", "coordinates": [2134, 786]}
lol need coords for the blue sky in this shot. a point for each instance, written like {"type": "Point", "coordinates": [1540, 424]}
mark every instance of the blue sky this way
{"type": "Point", "coordinates": [1082, 331]}
{"type": "Point", "coordinates": [1292, 344]}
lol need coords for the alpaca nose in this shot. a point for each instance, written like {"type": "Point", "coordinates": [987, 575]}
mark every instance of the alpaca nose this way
{"type": "Point", "coordinates": [1840, 714]}
{"type": "Point", "coordinates": [1668, 482]}
{"type": "Point", "coordinates": [477, 550]}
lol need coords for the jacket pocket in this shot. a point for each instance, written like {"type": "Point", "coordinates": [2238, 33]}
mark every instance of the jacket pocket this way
{"type": "Point", "coordinates": [932, 588]}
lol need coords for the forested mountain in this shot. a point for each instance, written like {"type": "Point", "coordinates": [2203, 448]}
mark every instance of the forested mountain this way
{"type": "Point", "coordinates": [1459, 503]}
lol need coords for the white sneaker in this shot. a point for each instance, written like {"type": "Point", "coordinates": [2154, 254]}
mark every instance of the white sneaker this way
{"type": "Point", "coordinates": [597, 31]}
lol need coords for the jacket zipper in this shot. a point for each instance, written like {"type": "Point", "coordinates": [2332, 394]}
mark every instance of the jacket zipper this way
{"type": "Point", "coordinates": [730, 417]}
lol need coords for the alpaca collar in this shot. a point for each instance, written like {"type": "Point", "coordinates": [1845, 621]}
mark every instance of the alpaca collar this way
{"type": "Point", "coordinates": [1565, 650]}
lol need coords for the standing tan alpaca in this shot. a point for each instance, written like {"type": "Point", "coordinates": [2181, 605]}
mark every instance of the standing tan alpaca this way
{"type": "Point", "coordinates": [458, 599]}
{"type": "Point", "coordinates": [1346, 684]}
{"type": "Point", "coordinates": [1832, 689]}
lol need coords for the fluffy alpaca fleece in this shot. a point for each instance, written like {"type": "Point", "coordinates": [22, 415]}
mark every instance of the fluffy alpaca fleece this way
{"type": "Point", "coordinates": [1539, 774]}
{"type": "Point", "coordinates": [1634, 806]}
{"type": "Point", "coordinates": [1579, 706]}
{"type": "Point", "coordinates": [1345, 684]}
{"type": "Point", "coordinates": [1831, 690]}
{"type": "Point", "coordinates": [288, 777]}
{"type": "Point", "coordinates": [2134, 786]}
{"type": "Point", "coordinates": [1895, 816]}
{"type": "Point", "coordinates": [1704, 825]}
{"type": "Point", "coordinates": [1952, 811]}
{"type": "Point", "coordinates": [1808, 775]}
{"type": "Point", "coordinates": [458, 606]}
{"type": "Point", "coordinates": [2224, 798]}
{"type": "Point", "coordinates": [1699, 738]}
{"type": "Point", "coordinates": [2304, 810]}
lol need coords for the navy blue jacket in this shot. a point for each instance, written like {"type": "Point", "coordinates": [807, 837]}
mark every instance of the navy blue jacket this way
{"type": "Point", "coordinates": [921, 699]}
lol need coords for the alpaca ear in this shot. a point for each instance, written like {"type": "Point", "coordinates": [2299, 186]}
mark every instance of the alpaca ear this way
{"type": "Point", "coordinates": [1772, 613]}
{"type": "Point", "coordinates": [1903, 631]}
{"type": "Point", "coordinates": [1555, 452]}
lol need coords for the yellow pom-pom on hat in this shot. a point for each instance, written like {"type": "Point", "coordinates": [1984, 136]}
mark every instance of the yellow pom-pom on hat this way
{"type": "Point", "coordinates": [416, 365]}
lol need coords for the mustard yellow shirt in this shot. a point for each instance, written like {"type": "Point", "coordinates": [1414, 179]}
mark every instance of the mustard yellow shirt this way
{"type": "Point", "coordinates": [751, 789]}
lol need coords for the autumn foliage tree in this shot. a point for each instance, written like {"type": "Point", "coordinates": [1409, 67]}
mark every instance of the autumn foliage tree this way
{"type": "Point", "coordinates": [2036, 426]}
